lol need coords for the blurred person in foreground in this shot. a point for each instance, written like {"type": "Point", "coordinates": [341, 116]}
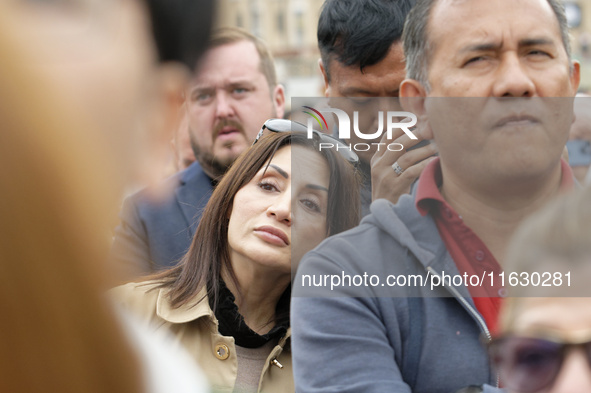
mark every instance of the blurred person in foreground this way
{"type": "Point", "coordinates": [180, 155]}
{"type": "Point", "coordinates": [76, 77]}
{"type": "Point", "coordinates": [122, 66]}
{"type": "Point", "coordinates": [228, 301]}
{"type": "Point", "coordinates": [483, 77]}
{"type": "Point", "coordinates": [234, 91]}
{"type": "Point", "coordinates": [544, 340]}
{"type": "Point", "coordinates": [362, 57]}
{"type": "Point", "coordinates": [181, 144]}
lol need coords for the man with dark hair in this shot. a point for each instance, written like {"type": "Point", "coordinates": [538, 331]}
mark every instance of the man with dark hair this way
{"type": "Point", "coordinates": [492, 82]}
{"type": "Point", "coordinates": [227, 101]}
{"type": "Point", "coordinates": [361, 34]}
{"type": "Point", "coordinates": [361, 56]}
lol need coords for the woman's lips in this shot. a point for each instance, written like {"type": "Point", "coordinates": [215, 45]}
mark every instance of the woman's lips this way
{"type": "Point", "coordinates": [272, 235]}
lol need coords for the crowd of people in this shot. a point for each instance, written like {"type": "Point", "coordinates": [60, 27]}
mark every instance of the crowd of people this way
{"type": "Point", "coordinates": [264, 261]}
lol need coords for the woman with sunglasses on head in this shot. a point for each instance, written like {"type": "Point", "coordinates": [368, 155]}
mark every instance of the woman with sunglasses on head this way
{"type": "Point", "coordinates": [544, 343]}
{"type": "Point", "coordinates": [228, 301]}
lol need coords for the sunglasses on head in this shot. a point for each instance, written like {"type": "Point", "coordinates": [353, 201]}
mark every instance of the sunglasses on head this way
{"type": "Point", "coordinates": [527, 364]}
{"type": "Point", "coordinates": [282, 125]}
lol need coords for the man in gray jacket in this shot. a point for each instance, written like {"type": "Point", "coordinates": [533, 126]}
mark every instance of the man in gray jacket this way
{"type": "Point", "coordinates": [399, 304]}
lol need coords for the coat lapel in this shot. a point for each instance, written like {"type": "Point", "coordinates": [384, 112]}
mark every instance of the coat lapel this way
{"type": "Point", "coordinates": [192, 194]}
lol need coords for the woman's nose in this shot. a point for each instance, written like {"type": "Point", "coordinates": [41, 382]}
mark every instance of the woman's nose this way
{"type": "Point", "coordinates": [281, 208]}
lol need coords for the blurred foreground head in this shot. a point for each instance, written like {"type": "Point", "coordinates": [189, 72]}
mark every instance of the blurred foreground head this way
{"type": "Point", "coordinates": [546, 330]}
{"type": "Point", "coordinates": [80, 80]}
{"type": "Point", "coordinates": [121, 65]}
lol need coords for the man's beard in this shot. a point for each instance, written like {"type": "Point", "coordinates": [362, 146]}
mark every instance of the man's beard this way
{"type": "Point", "coordinates": [215, 166]}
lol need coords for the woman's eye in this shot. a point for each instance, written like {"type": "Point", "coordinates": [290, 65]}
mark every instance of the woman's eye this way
{"type": "Point", "coordinates": [310, 204]}
{"type": "Point", "coordinates": [267, 186]}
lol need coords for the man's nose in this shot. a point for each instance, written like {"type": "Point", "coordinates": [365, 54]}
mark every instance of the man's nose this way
{"type": "Point", "coordinates": [223, 105]}
{"type": "Point", "coordinates": [513, 79]}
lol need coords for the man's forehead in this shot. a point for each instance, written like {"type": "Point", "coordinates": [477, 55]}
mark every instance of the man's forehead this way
{"type": "Point", "coordinates": [209, 83]}
{"type": "Point", "coordinates": [387, 73]}
{"type": "Point", "coordinates": [499, 22]}
{"type": "Point", "coordinates": [439, 5]}
{"type": "Point", "coordinates": [444, 9]}
{"type": "Point", "coordinates": [236, 61]}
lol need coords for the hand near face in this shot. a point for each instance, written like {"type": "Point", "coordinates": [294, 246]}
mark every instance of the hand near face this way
{"type": "Point", "coordinates": [386, 183]}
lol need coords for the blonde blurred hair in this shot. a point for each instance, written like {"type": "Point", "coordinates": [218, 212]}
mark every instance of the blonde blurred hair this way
{"type": "Point", "coordinates": [556, 239]}
{"type": "Point", "coordinates": [58, 332]}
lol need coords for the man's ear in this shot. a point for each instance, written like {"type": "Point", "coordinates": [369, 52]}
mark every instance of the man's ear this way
{"type": "Point", "coordinates": [325, 77]}
{"type": "Point", "coordinates": [279, 101]}
{"type": "Point", "coordinates": [575, 76]}
{"type": "Point", "coordinates": [412, 99]}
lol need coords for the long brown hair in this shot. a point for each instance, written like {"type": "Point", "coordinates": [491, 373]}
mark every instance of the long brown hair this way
{"type": "Point", "coordinates": [209, 255]}
{"type": "Point", "coordinates": [58, 331]}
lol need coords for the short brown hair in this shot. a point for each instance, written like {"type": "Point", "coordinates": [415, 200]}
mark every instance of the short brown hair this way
{"type": "Point", "coordinates": [231, 35]}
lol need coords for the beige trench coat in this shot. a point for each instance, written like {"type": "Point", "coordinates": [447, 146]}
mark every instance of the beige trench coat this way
{"type": "Point", "coordinates": [196, 328]}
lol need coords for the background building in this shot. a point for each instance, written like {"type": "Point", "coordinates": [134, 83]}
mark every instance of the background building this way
{"type": "Point", "coordinates": [578, 13]}
{"type": "Point", "coordinates": [289, 28]}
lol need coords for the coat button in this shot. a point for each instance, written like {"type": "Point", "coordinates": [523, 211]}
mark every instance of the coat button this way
{"type": "Point", "coordinates": [222, 352]}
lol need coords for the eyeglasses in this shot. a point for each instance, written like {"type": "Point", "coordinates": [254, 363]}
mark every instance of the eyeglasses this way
{"type": "Point", "coordinates": [528, 364]}
{"type": "Point", "coordinates": [282, 125]}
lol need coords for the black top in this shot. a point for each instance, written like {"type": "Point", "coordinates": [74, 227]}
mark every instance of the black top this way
{"type": "Point", "coordinates": [231, 323]}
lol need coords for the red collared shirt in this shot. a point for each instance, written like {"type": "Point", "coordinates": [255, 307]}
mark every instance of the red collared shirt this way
{"type": "Point", "coordinates": [470, 254]}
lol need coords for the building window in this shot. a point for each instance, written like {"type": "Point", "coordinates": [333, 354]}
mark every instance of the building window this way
{"type": "Point", "coordinates": [299, 19]}
{"type": "Point", "coordinates": [280, 22]}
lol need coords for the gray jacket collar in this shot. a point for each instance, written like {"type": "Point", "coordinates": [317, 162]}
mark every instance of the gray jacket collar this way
{"type": "Point", "coordinates": [419, 234]}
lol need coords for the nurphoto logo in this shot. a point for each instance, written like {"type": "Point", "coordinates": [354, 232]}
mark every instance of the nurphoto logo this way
{"type": "Point", "coordinates": [395, 120]}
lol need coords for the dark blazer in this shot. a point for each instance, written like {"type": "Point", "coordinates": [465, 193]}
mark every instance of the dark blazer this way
{"type": "Point", "coordinates": [153, 236]}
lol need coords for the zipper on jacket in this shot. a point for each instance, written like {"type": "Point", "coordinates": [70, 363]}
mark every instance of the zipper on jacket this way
{"type": "Point", "coordinates": [466, 305]}
{"type": "Point", "coordinates": [468, 308]}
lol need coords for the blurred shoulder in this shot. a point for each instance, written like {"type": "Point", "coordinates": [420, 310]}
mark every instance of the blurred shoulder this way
{"type": "Point", "coordinates": [139, 297]}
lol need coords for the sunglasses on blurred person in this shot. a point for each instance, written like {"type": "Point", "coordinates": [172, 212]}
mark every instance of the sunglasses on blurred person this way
{"type": "Point", "coordinates": [282, 125]}
{"type": "Point", "coordinates": [530, 364]}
